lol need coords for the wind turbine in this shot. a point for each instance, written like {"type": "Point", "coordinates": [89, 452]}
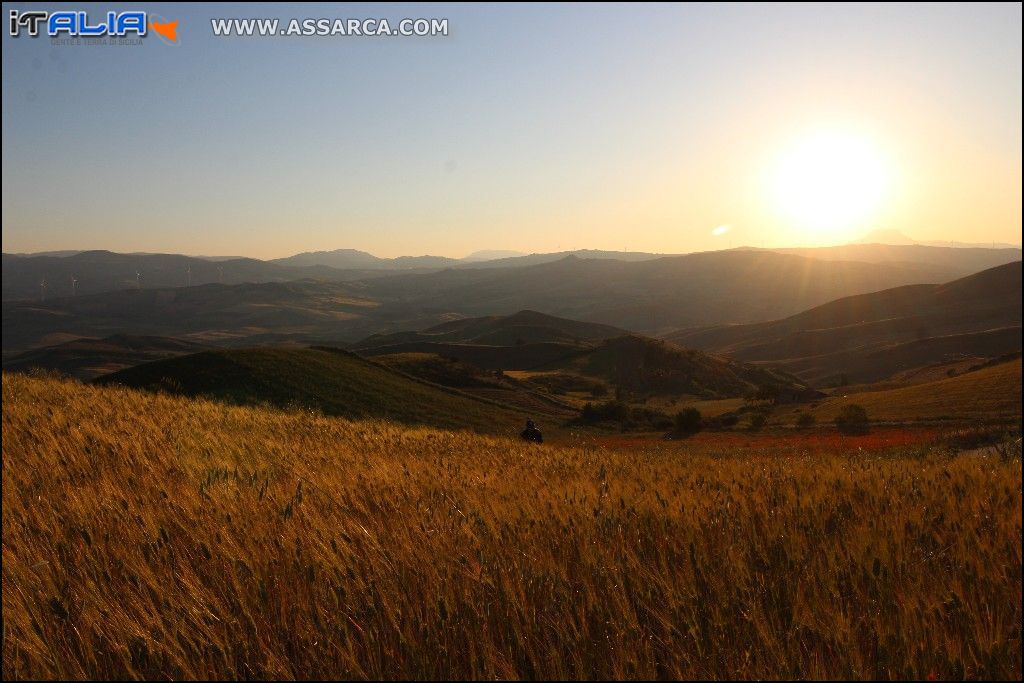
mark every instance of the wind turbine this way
{"type": "Point", "coordinates": [138, 280]}
{"type": "Point", "coordinates": [74, 285]}
{"type": "Point", "coordinates": [42, 290]}
{"type": "Point", "coordinates": [188, 276]}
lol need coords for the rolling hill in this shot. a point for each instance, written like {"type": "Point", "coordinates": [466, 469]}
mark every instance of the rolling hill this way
{"type": "Point", "coordinates": [105, 271]}
{"type": "Point", "coordinates": [524, 327]}
{"type": "Point", "coordinates": [255, 313]}
{"type": "Point", "coordinates": [988, 393]}
{"type": "Point", "coordinates": [652, 296]}
{"type": "Point", "coordinates": [331, 381]}
{"type": "Point", "coordinates": [655, 295]}
{"type": "Point", "coordinates": [475, 381]}
{"type": "Point", "coordinates": [642, 366]}
{"type": "Point", "coordinates": [87, 358]}
{"type": "Point", "coordinates": [632, 365]}
{"type": "Point", "coordinates": [96, 271]}
{"type": "Point", "coordinates": [871, 336]}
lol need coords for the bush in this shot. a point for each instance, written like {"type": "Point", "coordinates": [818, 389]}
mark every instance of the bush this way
{"type": "Point", "coordinates": [852, 419]}
{"type": "Point", "coordinates": [757, 422]}
{"type": "Point", "coordinates": [609, 411]}
{"type": "Point", "coordinates": [805, 421]}
{"type": "Point", "coordinates": [628, 418]}
{"type": "Point", "coordinates": [687, 421]}
{"type": "Point", "coordinates": [723, 421]}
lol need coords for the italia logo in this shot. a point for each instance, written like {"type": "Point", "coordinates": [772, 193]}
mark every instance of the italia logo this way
{"type": "Point", "coordinates": [78, 24]}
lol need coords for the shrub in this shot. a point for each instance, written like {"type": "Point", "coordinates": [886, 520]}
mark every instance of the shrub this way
{"type": "Point", "coordinates": [757, 422]}
{"type": "Point", "coordinates": [852, 419]}
{"type": "Point", "coordinates": [687, 421]}
{"type": "Point", "coordinates": [805, 421]}
{"type": "Point", "coordinates": [609, 411]}
{"type": "Point", "coordinates": [628, 418]}
{"type": "Point", "coordinates": [723, 421]}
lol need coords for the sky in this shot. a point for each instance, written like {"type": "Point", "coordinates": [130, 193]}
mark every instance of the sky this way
{"type": "Point", "coordinates": [529, 127]}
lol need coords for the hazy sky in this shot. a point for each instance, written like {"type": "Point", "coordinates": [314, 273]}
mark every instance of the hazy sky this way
{"type": "Point", "coordinates": [535, 128]}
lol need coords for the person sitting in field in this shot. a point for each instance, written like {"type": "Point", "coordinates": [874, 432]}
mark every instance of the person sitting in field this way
{"type": "Point", "coordinates": [531, 433]}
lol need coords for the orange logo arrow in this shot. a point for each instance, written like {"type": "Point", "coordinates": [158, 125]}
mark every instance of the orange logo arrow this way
{"type": "Point", "coordinates": [168, 30]}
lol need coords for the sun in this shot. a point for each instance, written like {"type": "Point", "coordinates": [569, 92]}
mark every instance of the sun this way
{"type": "Point", "coordinates": [829, 183]}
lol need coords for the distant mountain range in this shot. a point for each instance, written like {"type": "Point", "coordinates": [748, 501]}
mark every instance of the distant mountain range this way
{"type": "Point", "coordinates": [492, 254]}
{"type": "Point", "coordinates": [355, 259]}
{"type": "Point", "coordinates": [59, 274]}
{"type": "Point", "coordinates": [959, 260]}
{"type": "Point", "coordinates": [651, 296]}
{"type": "Point", "coordinates": [895, 237]}
{"type": "Point", "coordinates": [90, 272]}
{"type": "Point", "coordinates": [654, 295]}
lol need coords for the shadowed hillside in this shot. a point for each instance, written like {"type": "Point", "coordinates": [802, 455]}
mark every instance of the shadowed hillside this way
{"type": "Point", "coordinates": [871, 336]}
{"type": "Point", "coordinates": [493, 385]}
{"type": "Point", "coordinates": [89, 358]}
{"type": "Point", "coordinates": [243, 314]}
{"type": "Point", "coordinates": [652, 367]}
{"type": "Point", "coordinates": [638, 365]}
{"type": "Point", "coordinates": [524, 327]}
{"type": "Point", "coordinates": [330, 381]}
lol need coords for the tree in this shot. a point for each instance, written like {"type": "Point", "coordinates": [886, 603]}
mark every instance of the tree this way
{"type": "Point", "coordinates": [852, 419]}
{"type": "Point", "coordinates": [805, 421]}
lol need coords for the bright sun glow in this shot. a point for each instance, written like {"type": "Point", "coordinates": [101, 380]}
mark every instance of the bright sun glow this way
{"type": "Point", "coordinates": [831, 183]}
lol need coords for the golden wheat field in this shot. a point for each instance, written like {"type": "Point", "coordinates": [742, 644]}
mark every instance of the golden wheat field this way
{"type": "Point", "coordinates": [151, 537]}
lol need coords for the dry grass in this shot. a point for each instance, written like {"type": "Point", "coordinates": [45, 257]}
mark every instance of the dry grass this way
{"type": "Point", "coordinates": [154, 537]}
{"type": "Point", "coordinates": [993, 392]}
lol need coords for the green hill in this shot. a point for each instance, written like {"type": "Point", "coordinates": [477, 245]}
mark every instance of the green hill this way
{"type": "Point", "coordinates": [332, 381]}
{"type": "Point", "coordinates": [524, 327]}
